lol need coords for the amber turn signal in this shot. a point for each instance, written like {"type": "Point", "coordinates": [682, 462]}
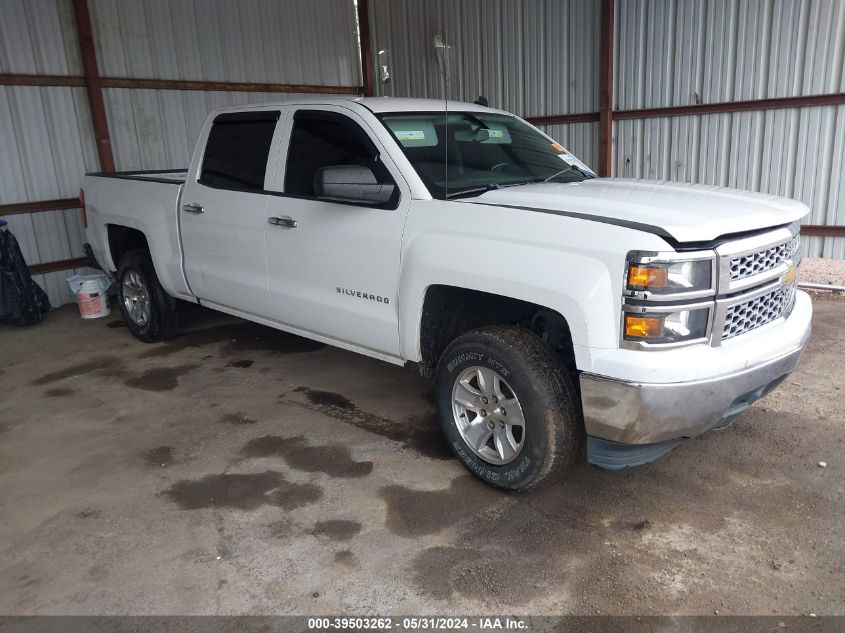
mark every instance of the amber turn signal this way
{"type": "Point", "coordinates": [643, 327]}
{"type": "Point", "coordinates": [648, 276]}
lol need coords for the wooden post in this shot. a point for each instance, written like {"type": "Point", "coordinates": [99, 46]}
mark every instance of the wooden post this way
{"type": "Point", "coordinates": [606, 89]}
{"type": "Point", "coordinates": [93, 84]}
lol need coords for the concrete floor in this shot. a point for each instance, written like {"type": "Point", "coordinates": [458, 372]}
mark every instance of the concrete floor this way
{"type": "Point", "coordinates": [241, 470]}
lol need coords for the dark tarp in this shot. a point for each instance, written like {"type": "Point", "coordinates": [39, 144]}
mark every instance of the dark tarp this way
{"type": "Point", "coordinates": [22, 301]}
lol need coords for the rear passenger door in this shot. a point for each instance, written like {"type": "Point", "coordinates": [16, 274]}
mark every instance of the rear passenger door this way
{"type": "Point", "coordinates": [223, 212]}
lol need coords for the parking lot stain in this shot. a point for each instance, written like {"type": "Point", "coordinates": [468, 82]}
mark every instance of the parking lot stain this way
{"type": "Point", "coordinates": [418, 512]}
{"type": "Point", "coordinates": [237, 419]}
{"type": "Point", "coordinates": [242, 492]}
{"type": "Point", "coordinates": [99, 364]}
{"type": "Point", "coordinates": [116, 324]}
{"type": "Point", "coordinates": [159, 378]}
{"type": "Point", "coordinates": [98, 573]}
{"type": "Point", "coordinates": [241, 364]}
{"type": "Point", "coordinates": [159, 457]}
{"type": "Point", "coordinates": [420, 434]}
{"type": "Point", "coordinates": [59, 392]}
{"type": "Point", "coordinates": [336, 529]}
{"type": "Point", "coordinates": [327, 399]}
{"type": "Point", "coordinates": [344, 557]}
{"type": "Point", "coordinates": [88, 513]}
{"type": "Point", "coordinates": [332, 459]}
{"type": "Point", "coordinates": [630, 525]}
{"type": "Point", "coordinates": [3, 428]}
{"type": "Point", "coordinates": [235, 339]}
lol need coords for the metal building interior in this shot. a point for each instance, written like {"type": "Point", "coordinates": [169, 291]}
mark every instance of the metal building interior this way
{"type": "Point", "coordinates": [743, 94]}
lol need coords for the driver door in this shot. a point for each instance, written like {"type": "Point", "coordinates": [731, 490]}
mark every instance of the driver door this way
{"type": "Point", "coordinates": [334, 266]}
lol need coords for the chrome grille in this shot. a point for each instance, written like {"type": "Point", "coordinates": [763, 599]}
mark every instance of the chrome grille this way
{"type": "Point", "coordinates": [752, 264]}
{"type": "Point", "coordinates": [749, 315]}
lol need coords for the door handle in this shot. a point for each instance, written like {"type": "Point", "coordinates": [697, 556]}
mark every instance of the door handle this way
{"type": "Point", "coordinates": [193, 207]}
{"type": "Point", "coordinates": [283, 221]}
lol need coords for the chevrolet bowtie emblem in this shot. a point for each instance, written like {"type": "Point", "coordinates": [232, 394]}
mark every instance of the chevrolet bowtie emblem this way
{"type": "Point", "coordinates": [789, 275]}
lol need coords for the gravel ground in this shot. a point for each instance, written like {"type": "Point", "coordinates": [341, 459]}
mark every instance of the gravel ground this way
{"type": "Point", "coordinates": [819, 270]}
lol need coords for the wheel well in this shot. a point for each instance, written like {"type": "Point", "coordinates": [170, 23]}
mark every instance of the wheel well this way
{"type": "Point", "coordinates": [123, 239]}
{"type": "Point", "coordinates": [449, 312]}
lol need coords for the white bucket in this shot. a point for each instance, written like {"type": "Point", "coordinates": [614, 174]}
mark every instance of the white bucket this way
{"type": "Point", "coordinates": [91, 297]}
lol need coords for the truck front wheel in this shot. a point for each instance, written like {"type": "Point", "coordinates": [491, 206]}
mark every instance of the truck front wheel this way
{"type": "Point", "coordinates": [149, 312]}
{"type": "Point", "coordinates": [508, 410]}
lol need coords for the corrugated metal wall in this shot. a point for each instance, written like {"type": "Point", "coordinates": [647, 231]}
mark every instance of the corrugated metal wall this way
{"type": "Point", "coordinates": [46, 138]}
{"type": "Point", "coordinates": [531, 57]}
{"type": "Point", "coordinates": [670, 52]}
{"type": "Point", "coordinates": [260, 41]}
{"type": "Point", "coordinates": [46, 135]}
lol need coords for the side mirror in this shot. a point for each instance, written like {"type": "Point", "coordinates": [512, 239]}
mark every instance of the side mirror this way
{"type": "Point", "coordinates": [351, 183]}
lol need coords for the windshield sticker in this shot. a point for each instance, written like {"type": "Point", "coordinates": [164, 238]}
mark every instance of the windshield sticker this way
{"type": "Point", "coordinates": [560, 148]}
{"type": "Point", "coordinates": [410, 135]}
{"type": "Point", "coordinates": [571, 159]}
{"type": "Point", "coordinates": [495, 133]}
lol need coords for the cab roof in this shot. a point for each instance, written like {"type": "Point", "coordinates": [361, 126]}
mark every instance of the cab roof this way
{"type": "Point", "coordinates": [377, 105]}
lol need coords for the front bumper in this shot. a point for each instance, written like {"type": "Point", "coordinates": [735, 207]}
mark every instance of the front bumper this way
{"type": "Point", "coordinates": [647, 413]}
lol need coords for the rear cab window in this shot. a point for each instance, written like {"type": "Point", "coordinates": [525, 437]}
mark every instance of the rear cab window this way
{"type": "Point", "coordinates": [237, 150]}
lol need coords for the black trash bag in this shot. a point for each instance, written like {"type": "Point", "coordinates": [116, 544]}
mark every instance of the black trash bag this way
{"type": "Point", "coordinates": [22, 301]}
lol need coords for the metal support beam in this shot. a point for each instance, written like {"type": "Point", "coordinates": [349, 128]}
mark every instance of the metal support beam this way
{"type": "Point", "coordinates": [823, 230]}
{"type": "Point", "coordinates": [754, 105]}
{"type": "Point", "coordinates": [51, 267]}
{"type": "Point", "coordinates": [564, 119]}
{"type": "Point", "coordinates": [11, 79]}
{"type": "Point", "coordinates": [606, 89]}
{"type": "Point", "coordinates": [223, 86]}
{"type": "Point", "coordinates": [36, 207]}
{"type": "Point", "coordinates": [8, 79]}
{"type": "Point", "coordinates": [366, 47]}
{"type": "Point", "coordinates": [93, 84]}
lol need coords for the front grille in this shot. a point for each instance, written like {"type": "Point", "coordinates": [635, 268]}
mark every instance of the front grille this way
{"type": "Point", "coordinates": [749, 315]}
{"type": "Point", "coordinates": [752, 264]}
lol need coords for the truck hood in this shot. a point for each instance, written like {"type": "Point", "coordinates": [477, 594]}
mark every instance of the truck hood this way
{"type": "Point", "coordinates": [683, 212]}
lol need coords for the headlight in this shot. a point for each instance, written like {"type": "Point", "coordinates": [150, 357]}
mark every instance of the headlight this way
{"type": "Point", "coordinates": [670, 276]}
{"type": "Point", "coordinates": [646, 324]}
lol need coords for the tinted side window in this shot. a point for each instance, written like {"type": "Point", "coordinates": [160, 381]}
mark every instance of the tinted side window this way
{"type": "Point", "coordinates": [237, 150]}
{"type": "Point", "coordinates": [324, 139]}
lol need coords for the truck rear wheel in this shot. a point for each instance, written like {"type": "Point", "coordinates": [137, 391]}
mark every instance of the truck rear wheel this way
{"type": "Point", "coordinates": [149, 312]}
{"type": "Point", "coordinates": [508, 410]}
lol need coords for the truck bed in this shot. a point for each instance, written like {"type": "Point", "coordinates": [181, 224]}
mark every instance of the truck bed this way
{"type": "Point", "coordinates": [146, 201]}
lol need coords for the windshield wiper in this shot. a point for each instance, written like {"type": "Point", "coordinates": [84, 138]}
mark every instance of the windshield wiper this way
{"type": "Point", "coordinates": [568, 169]}
{"type": "Point", "coordinates": [475, 191]}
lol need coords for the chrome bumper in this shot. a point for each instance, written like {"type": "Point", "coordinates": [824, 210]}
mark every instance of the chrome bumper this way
{"type": "Point", "coordinates": [650, 413]}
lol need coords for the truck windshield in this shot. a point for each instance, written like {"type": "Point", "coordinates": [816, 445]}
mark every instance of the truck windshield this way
{"type": "Point", "coordinates": [473, 152]}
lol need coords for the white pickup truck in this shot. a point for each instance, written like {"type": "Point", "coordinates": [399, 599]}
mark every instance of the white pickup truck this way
{"type": "Point", "coordinates": [559, 313]}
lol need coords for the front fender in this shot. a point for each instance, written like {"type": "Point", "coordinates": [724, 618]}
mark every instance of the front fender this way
{"type": "Point", "coordinates": [571, 266]}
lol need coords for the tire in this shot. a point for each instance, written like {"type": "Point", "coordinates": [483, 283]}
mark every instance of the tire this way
{"type": "Point", "coordinates": [544, 397]}
{"type": "Point", "coordinates": [163, 319]}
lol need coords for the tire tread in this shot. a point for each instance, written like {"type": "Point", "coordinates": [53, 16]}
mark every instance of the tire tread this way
{"type": "Point", "coordinates": [166, 316]}
{"type": "Point", "coordinates": [547, 373]}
